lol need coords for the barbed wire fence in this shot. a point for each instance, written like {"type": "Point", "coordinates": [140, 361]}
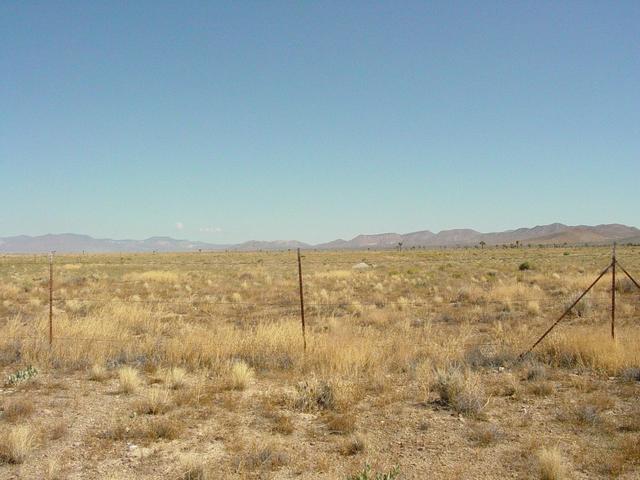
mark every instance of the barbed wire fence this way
{"type": "Point", "coordinates": [202, 308]}
{"type": "Point", "coordinates": [611, 267]}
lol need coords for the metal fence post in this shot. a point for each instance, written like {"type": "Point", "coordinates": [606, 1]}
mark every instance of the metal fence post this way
{"type": "Point", "coordinates": [613, 292]}
{"type": "Point", "coordinates": [304, 337]}
{"type": "Point", "coordinates": [50, 299]}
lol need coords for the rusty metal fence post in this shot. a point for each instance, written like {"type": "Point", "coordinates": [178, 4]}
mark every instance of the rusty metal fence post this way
{"type": "Point", "coordinates": [304, 337]}
{"type": "Point", "coordinates": [613, 292]}
{"type": "Point", "coordinates": [50, 299]}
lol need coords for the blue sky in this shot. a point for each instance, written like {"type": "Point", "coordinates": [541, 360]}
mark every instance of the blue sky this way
{"type": "Point", "coordinates": [229, 121]}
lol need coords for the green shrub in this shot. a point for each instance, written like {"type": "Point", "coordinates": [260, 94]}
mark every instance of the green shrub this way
{"type": "Point", "coordinates": [367, 474]}
{"type": "Point", "coordinates": [22, 375]}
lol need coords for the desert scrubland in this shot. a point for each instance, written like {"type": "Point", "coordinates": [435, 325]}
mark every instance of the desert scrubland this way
{"type": "Point", "coordinates": [189, 366]}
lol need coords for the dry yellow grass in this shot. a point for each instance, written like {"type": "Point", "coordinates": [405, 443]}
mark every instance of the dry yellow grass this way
{"type": "Point", "coordinates": [128, 379]}
{"type": "Point", "coordinates": [211, 356]}
{"type": "Point", "coordinates": [551, 464]}
{"type": "Point", "coordinates": [240, 375]}
{"type": "Point", "coordinates": [98, 373]}
{"type": "Point", "coordinates": [153, 276]}
{"type": "Point", "coordinates": [155, 402]}
{"type": "Point", "coordinates": [176, 378]}
{"type": "Point", "coordinates": [17, 409]}
{"type": "Point", "coordinates": [16, 443]}
{"type": "Point", "coordinates": [593, 348]}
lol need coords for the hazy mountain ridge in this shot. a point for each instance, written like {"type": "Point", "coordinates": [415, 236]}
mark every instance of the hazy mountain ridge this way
{"type": "Point", "coordinates": [555, 233]}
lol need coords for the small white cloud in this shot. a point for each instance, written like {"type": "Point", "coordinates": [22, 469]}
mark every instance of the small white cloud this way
{"type": "Point", "coordinates": [211, 229]}
{"type": "Point", "coordinates": [179, 225]}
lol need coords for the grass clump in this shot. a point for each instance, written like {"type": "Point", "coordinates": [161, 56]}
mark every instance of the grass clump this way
{"type": "Point", "coordinates": [17, 409]}
{"type": "Point", "coordinates": [551, 464]}
{"type": "Point", "coordinates": [98, 373]}
{"type": "Point", "coordinates": [156, 402]}
{"type": "Point", "coordinates": [352, 446]}
{"type": "Point", "coordinates": [460, 390]}
{"type": "Point", "coordinates": [129, 380]}
{"type": "Point", "coordinates": [16, 444]}
{"type": "Point", "coordinates": [541, 389]}
{"type": "Point", "coordinates": [536, 371]}
{"type": "Point", "coordinates": [162, 427]}
{"type": "Point", "coordinates": [282, 424]}
{"type": "Point", "coordinates": [240, 375]}
{"type": "Point", "coordinates": [593, 349]}
{"type": "Point", "coordinates": [176, 378]}
{"type": "Point", "coordinates": [193, 468]}
{"type": "Point", "coordinates": [341, 423]}
{"type": "Point", "coordinates": [264, 457]}
{"type": "Point", "coordinates": [485, 435]}
{"type": "Point", "coordinates": [630, 374]}
{"type": "Point", "coordinates": [313, 395]}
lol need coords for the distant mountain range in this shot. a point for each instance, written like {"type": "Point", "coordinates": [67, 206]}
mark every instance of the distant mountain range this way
{"type": "Point", "coordinates": [555, 233]}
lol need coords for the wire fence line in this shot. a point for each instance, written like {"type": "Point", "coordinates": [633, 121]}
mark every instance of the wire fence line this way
{"type": "Point", "coordinates": [196, 303]}
{"type": "Point", "coordinates": [43, 260]}
{"type": "Point", "coordinates": [294, 304]}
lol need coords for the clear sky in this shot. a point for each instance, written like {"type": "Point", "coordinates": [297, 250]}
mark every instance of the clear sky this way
{"type": "Point", "coordinates": [230, 121]}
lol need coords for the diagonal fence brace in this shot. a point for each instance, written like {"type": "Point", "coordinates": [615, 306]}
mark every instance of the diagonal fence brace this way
{"type": "Point", "coordinates": [629, 275]}
{"type": "Point", "coordinates": [524, 354]}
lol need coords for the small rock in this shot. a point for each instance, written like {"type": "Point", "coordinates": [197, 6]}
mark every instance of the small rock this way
{"type": "Point", "coordinates": [361, 266]}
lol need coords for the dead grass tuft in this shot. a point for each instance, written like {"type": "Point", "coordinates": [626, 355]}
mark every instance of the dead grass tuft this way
{"type": "Point", "coordinates": [155, 402]}
{"type": "Point", "coordinates": [262, 457]}
{"type": "Point", "coordinates": [162, 427]}
{"type": "Point", "coordinates": [98, 373]}
{"type": "Point", "coordinates": [192, 467]}
{"type": "Point", "coordinates": [541, 389]}
{"type": "Point", "coordinates": [16, 444]}
{"type": "Point", "coordinates": [176, 378]}
{"type": "Point", "coordinates": [551, 464]}
{"type": "Point", "coordinates": [57, 430]}
{"type": "Point", "coordinates": [341, 423]}
{"type": "Point", "coordinates": [352, 446]}
{"type": "Point", "coordinates": [129, 380]}
{"type": "Point", "coordinates": [485, 435]}
{"type": "Point", "coordinates": [240, 375]}
{"type": "Point", "coordinates": [593, 349]}
{"type": "Point", "coordinates": [17, 409]}
{"type": "Point", "coordinates": [282, 424]}
{"type": "Point", "coordinates": [460, 390]}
